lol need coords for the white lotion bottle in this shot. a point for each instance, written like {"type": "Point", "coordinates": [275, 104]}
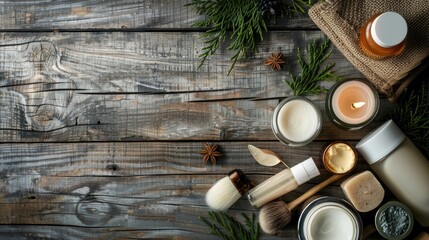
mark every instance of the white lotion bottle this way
{"type": "Point", "coordinates": [282, 183]}
{"type": "Point", "coordinates": [401, 167]}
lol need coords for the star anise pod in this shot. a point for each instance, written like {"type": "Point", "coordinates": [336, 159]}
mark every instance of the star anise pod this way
{"type": "Point", "coordinates": [210, 153]}
{"type": "Point", "coordinates": [275, 61]}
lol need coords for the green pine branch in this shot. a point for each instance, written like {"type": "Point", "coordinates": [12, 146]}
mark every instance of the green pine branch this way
{"type": "Point", "coordinates": [312, 72]}
{"type": "Point", "coordinates": [243, 18]}
{"type": "Point", "coordinates": [226, 227]}
{"type": "Point", "coordinates": [411, 114]}
{"type": "Point", "coordinates": [297, 7]}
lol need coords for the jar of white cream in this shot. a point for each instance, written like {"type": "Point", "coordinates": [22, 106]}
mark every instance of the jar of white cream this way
{"type": "Point", "coordinates": [329, 218]}
{"type": "Point", "coordinates": [296, 121]}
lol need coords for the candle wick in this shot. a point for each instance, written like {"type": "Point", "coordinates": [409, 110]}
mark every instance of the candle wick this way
{"type": "Point", "coordinates": [357, 105]}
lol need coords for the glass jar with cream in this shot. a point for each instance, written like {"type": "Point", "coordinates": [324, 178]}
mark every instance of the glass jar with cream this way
{"type": "Point", "coordinates": [329, 218]}
{"type": "Point", "coordinates": [352, 104]}
{"type": "Point", "coordinates": [296, 121]}
{"type": "Point", "coordinates": [339, 158]}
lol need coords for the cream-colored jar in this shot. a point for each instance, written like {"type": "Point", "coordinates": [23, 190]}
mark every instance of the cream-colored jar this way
{"type": "Point", "coordinates": [400, 165]}
{"type": "Point", "coordinates": [329, 218]}
{"type": "Point", "coordinates": [296, 121]}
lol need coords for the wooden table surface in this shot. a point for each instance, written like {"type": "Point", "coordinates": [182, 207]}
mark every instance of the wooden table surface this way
{"type": "Point", "coordinates": [103, 113]}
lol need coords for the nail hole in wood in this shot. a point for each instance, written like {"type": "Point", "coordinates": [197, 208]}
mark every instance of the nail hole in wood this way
{"type": "Point", "coordinates": [112, 167]}
{"type": "Point", "coordinates": [32, 197]}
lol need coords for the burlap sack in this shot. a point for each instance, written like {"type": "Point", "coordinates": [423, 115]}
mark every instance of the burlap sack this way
{"type": "Point", "coordinates": [341, 20]}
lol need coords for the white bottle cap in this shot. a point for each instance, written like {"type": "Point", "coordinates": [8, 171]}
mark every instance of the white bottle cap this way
{"type": "Point", "coordinates": [380, 142]}
{"type": "Point", "coordinates": [305, 171]}
{"type": "Point", "coordinates": [389, 29]}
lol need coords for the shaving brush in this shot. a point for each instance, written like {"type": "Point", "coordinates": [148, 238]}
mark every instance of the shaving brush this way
{"type": "Point", "coordinates": [228, 190]}
{"type": "Point", "coordinates": [276, 215]}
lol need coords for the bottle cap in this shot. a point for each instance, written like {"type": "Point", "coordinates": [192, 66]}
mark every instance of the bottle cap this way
{"type": "Point", "coordinates": [305, 171]}
{"type": "Point", "coordinates": [389, 29]}
{"type": "Point", "coordinates": [380, 142]}
{"type": "Point", "coordinates": [240, 181]}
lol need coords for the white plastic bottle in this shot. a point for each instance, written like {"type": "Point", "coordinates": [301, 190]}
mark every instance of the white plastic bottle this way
{"type": "Point", "coordinates": [282, 183]}
{"type": "Point", "coordinates": [400, 165]}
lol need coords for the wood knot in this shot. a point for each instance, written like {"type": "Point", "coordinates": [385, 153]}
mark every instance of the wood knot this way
{"type": "Point", "coordinates": [41, 52]}
{"type": "Point", "coordinates": [223, 134]}
{"type": "Point", "coordinates": [94, 212]}
{"type": "Point", "coordinates": [45, 113]}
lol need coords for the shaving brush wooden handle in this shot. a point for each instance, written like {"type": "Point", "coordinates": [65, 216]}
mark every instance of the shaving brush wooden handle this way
{"type": "Point", "coordinates": [275, 215]}
{"type": "Point", "coordinates": [314, 190]}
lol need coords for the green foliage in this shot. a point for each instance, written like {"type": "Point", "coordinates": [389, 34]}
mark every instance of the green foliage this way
{"type": "Point", "coordinates": [243, 18]}
{"type": "Point", "coordinates": [297, 6]}
{"type": "Point", "coordinates": [226, 227]}
{"type": "Point", "coordinates": [311, 70]}
{"type": "Point", "coordinates": [411, 114]}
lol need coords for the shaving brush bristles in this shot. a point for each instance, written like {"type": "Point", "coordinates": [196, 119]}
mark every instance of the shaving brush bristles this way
{"type": "Point", "coordinates": [274, 216]}
{"type": "Point", "coordinates": [222, 195]}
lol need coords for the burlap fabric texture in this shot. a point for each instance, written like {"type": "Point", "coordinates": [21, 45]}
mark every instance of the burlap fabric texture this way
{"type": "Point", "coordinates": [341, 21]}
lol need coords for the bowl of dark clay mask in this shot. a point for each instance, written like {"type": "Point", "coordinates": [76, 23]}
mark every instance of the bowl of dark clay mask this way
{"type": "Point", "coordinates": [394, 221]}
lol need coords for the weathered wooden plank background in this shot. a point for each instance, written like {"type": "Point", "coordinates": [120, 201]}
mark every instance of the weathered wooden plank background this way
{"type": "Point", "coordinates": [170, 15]}
{"type": "Point", "coordinates": [103, 112]}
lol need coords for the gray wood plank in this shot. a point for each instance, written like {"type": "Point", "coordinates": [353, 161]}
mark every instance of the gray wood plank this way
{"type": "Point", "coordinates": [144, 86]}
{"type": "Point", "coordinates": [123, 15]}
{"type": "Point", "coordinates": [142, 158]}
{"type": "Point", "coordinates": [128, 190]}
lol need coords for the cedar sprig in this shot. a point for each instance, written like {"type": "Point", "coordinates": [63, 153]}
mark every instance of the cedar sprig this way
{"type": "Point", "coordinates": [411, 114]}
{"type": "Point", "coordinates": [297, 7]}
{"type": "Point", "coordinates": [243, 18]}
{"type": "Point", "coordinates": [312, 72]}
{"type": "Point", "coordinates": [227, 227]}
{"type": "Point", "coordinates": [240, 16]}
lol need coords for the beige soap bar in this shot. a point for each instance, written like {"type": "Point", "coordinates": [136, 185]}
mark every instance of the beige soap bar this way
{"type": "Point", "coordinates": [364, 191]}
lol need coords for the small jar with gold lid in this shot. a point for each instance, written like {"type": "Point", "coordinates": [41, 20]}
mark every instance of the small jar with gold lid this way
{"type": "Point", "coordinates": [383, 35]}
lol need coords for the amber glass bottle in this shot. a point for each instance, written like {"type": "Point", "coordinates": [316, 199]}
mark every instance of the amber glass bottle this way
{"type": "Point", "coordinates": [383, 35]}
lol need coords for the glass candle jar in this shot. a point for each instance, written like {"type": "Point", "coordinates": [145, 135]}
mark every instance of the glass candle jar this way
{"type": "Point", "coordinates": [329, 218]}
{"type": "Point", "coordinates": [383, 35]}
{"type": "Point", "coordinates": [296, 121]}
{"type": "Point", "coordinates": [352, 104]}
